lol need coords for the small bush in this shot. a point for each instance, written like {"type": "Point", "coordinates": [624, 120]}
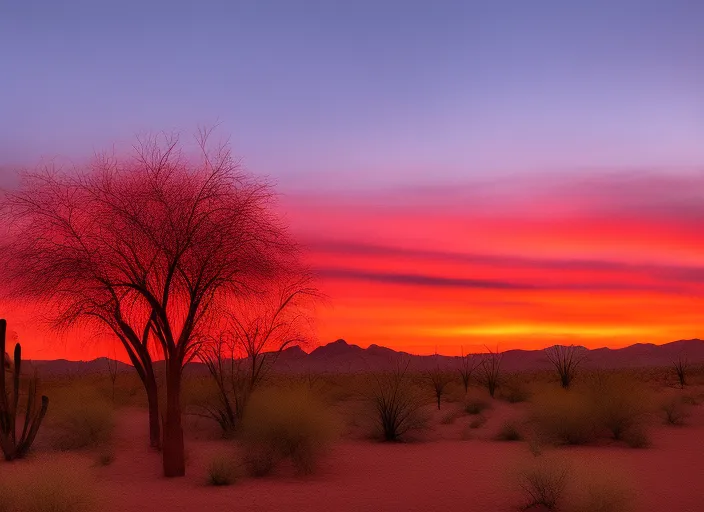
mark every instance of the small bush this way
{"type": "Point", "coordinates": [222, 471]}
{"type": "Point", "coordinates": [515, 392]}
{"type": "Point", "coordinates": [476, 405]}
{"type": "Point", "coordinates": [47, 486]}
{"type": "Point", "coordinates": [106, 457]}
{"type": "Point", "coordinates": [396, 405]}
{"type": "Point", "coordinates": [620, 406]}
{"type": "Point", "coordinates": [283, 424]}
{"type": "Point", "coordinates": [600, 490]}
{"type": "Point", "coordinates": [509, 431]}
{"type": "Point", "coordinates": [674, 410]}
{"type": "Point", "coordinates": [543, 482]}
{"type": "Point", "coordinates": [477, 422]}
{"type": "Point", "coordinates": [450, 417]}
{"type": "Point", "coordinates": [565, 417]}
{"type": "Point", "coordinates": [80, 419]}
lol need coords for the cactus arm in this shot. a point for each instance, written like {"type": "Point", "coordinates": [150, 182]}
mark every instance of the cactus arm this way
{"type": "Point", "coordinates": [16, 390]}
{"type": "Point", "coordinates": [24, 446]}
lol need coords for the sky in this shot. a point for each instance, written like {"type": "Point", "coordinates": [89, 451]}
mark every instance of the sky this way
{"type": "Point", "coordinates": [464, 173]}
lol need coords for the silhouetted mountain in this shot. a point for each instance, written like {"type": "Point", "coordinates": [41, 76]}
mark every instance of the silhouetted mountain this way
{"type": "Point", "coordinates": [340, 356]}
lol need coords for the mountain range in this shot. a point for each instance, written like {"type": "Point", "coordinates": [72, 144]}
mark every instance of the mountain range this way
{"type": "Point", "coordinates": [342, 357]}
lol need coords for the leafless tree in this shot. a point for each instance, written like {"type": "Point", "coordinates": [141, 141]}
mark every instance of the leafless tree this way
{"type": "Point", "coordinates": [151, 246]}
{"type": "Point", "coordinates": [566, 360]}
{"type": "Point", "coordinates": [681, 366]}
{"type": "Point", "coordinates": [490, 370]}
{"type": "Point", "coordinates": [467, 365]}
{"type": "Point", "coordinates": [438, 378]}
{"type": "Point", "coordinates": [257, 328]}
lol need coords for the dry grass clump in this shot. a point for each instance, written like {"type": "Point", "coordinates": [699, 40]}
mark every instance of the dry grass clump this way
{"type": "Point", "coordinates": [509, 431]}
{"type": "Point", "coordinates": [449, 417]}
{"type": "Point", "coordinates": [222, 470]}
{"type": "Point", "coordinates": [553, 483]}
{"type": "Point", "coordinates": [603, 406]}
{"type": "Point", "coordinates": [281, 424]}
{"type": "Point", "coordinates": [543, 482]}
{"type": "Point", "coordinates": [476, 404]}
{"type": "Point", "coordinates": [674, 409]}
{"type": "Point", "coordinates": [47, 486]}
{"type": "Point", "coordinates": [478, 421]}
{"type": "Point", "coordinates": [514, 392]}
{"type": "Point", "coordinates": [80, 418]}
{"type": "Point", "coordinates": [565, 417]}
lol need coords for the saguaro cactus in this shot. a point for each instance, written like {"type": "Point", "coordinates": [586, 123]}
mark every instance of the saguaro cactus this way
{"type": "Point", "coordinates": [15, 447]}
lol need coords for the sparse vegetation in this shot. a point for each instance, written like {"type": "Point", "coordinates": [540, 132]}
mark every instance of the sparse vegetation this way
{"type": "Point", "coordinates": [681, 366]}
{"type": "Point", "coordinates": [16, 446]}
{"type": "Point", "coordinates": [467, 365]}
{"type": "Point", "coordinates": [566, 361]}
{"type": "Point", "coordinates": [607, 403]}
{"type": "Point", "coordinates": [397, 406]}
{"type": "Point", "coordinates": [439, 380]}
{"type": "Point", "coordinates": [543, 482]}
{"type": "Point", "coordinates": [490, 370]}
{"type": "Point", "coordinates": [509, 431]}
{"type": "Point", "coordinates": [222, 470]}
{"type": "Point", "coordinates": [283, 424]}
{"type": "Point", "coordinates": [674, 409]}
{"type": "Point", "coordinates": [80, 419]}
{"type": "Point", "coordinates": [476, 405]}
{"type": "Point", "coordinates": [48, 486]}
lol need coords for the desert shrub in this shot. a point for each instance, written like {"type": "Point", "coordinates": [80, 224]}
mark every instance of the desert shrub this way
{"type": "Point", "coordinates": [620, 405]}
{"type": "Point", "coordinates": [674, 410]}
{"type": "Point", "coordinates": [47, 486]}
{"type": "Point", "coordinates": [478, 421]}
{"type": "Point", "coordinates": [565, 417]}
{"type": "Point", "coordinates": [515, 392]}
{"type": "Point", "coordinates": [606, 405]}
{"type": "Point", "coordinates": [449, 417]}
{"type": "Point", "coordinates": [106, 457]}
{"type": "Point", "coordinates": [476, 405]}
{"type": "Point", "coordinates": [283, 424]}
{"type": "Point", "coordinates": [543, 482]}
{"type": "Point", "coordinates": [222, 470]}
{"type": "Point", "coordinates": [79, 419]}
{"type": "Point", "coordinates": [397, 406]}
{"type": "Point", "coordinates": [600, 490]}
{"type": "Point", "coordinates": [509, 431]}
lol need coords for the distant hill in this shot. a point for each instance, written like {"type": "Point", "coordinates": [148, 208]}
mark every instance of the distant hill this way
{"type": "Point", "coordinates": [342, 357]}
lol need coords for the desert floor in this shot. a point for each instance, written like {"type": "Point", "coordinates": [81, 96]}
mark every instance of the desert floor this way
{"type": "Point", "coordinates": [449, 470]}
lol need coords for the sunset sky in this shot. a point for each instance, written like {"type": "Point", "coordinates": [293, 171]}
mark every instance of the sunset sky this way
{"type": "Point", "coordinates": [506, 173]}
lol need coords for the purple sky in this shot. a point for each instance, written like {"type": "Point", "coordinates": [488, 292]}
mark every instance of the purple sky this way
{"type": "Point", "coordinates": [362, 93]}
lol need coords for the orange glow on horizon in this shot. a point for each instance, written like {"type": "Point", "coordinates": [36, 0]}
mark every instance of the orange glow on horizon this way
{"type": "Point", "coordinates": [450, 277]}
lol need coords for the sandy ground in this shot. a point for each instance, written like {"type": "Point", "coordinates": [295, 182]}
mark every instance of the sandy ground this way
{"type": "Point", "coordinates": [445, 472]}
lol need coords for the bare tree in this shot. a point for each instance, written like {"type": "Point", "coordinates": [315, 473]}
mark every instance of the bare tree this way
{"type": "Point", "coordinates": [490, 370]}
{"type": "Point", "coordinates": [566, 360]}
{"type": "Point", "coordinates": [438, 379]}
{"type": "Point", "coordinates": [681, 366]}
{"type": "Point", "coordinates": [257, 329]}
{"type": "Point", "coordinates": [154, 245]}
{"type": "Point", "coordinates": [467, 365]}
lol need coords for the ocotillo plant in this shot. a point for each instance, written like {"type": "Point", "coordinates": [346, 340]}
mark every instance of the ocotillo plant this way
{"type": "Point", "coordinates": [14, 447]}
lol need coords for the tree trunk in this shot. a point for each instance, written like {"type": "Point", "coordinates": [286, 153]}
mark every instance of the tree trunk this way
{"type": "Point", "coordinates": [173, 448]}
{"type": "Point", "coordinates": [153, 402]}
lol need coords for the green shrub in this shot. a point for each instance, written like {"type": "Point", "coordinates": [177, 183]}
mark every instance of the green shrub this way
{"type": "Point", "coordinates": [283, 424]}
